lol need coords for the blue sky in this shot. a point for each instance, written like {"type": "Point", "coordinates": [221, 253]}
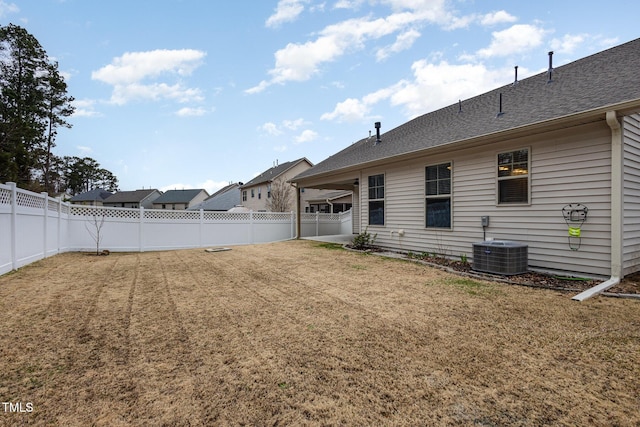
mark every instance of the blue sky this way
{"type": "Point", "coordinates": [197, 94]}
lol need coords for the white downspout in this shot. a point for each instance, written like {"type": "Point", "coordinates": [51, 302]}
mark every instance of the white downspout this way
{"type": "Point", "coordinates": [617, 210]}
{"type": "Point", "coordinates": [330, 206]}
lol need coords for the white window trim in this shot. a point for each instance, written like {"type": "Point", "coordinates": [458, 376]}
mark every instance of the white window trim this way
{"type": "Point", "coordinates": [384, 200]}
{"type": "Point", "coordinates": [498, 179]}
{"type": "Point", "coordinates": [439, 196]}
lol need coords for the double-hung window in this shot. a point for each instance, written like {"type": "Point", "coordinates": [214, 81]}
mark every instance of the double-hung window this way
{"type": "Point", "coordinates": [438, 195]}
{"type": "Point", "coordinates": [513, 176]}
{"type": "Point", "coordinates": [376, 199]}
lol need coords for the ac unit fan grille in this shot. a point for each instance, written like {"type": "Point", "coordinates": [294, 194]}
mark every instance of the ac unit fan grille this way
{"type": "Point", "coordinates": [500, 257]}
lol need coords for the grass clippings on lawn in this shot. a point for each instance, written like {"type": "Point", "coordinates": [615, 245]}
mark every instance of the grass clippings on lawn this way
{"type": "Point", "coordinates": [293, 333]}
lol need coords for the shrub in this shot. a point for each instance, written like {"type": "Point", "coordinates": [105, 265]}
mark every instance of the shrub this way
{"type": "Point", "coordinates": [364, 240]}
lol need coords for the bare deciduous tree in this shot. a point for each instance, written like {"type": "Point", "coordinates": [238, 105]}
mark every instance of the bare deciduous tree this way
{"type": "Point", "coordinates": [280, 196]}
{"type": "Point", "coordinates": [94, 227]}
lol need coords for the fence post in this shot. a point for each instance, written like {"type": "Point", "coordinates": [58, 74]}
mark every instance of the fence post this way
{"type": "Point", "coordinates": [45, 195]}
{"type": "Point", "coordinates": [293, 225]}
{"type": "Point", "coordinates": [59, 233]}
{"type": "Point", "coordinates": [14, 224]}
{"type": "Point", "coordinates": [140, 230]}
{"type": "Point", "coordinates": [201, 228]}
{"type": "Point", "coordinates": [317, 223]}
{"type": "Point", "coordinates": [251, 227]}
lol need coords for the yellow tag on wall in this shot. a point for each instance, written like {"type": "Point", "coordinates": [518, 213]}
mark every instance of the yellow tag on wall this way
{"type": "Point", "coordinates": [574, 232]}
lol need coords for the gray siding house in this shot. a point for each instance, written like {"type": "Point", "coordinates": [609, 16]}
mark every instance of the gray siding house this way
{"type": "Point", "coordinates": [180, 199]}
{"type": "Point", "coordinates": [132, 199]}
{"type": "Point", "coordinates": [535, 156]}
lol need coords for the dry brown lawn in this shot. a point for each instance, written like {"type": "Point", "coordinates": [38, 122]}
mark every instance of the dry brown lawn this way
{"type": "Point", "coordinates": [294, 333]}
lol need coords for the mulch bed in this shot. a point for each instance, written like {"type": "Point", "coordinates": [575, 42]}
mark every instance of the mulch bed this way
{"type": "Point", "coordinates": [630, 285]}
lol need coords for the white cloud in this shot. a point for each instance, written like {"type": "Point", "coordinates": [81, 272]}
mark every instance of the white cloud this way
{"type": "Point", "coordinates": [301, 61]}
{"type": "Point", "coordinates": [271, 129]}
{"type": "Point", "coordinates": [190, 112]}
{"type": "Point", "coordinates": [306, 136]}
{"type": "Point", "coordinates": [404, 41]}
{"type": "Point", "coordinates": [348, 4]}
{"type": "Point", "coordinates": [280, 149]}
{"type": "Point", "coordinates": [350, 110]}
{"type": "Point", "coordinates": [435, 85]}
{"type": "Point", "coordinates": [7, 8]}
{"type": "Point", "coordinates": [498, 17]}
{"type": "Point", "coordinates": [568, 43]}
{"type": "Point", "coordinates": [293, 124]}
{"type": "Point", "coordinates": [130, 73]}
{"type": "Point", "coordinates": [85, 108]}
{"type": "Point", "coordinates": [513, 40]}
{"type": "Point", "coordinates": [286, 11]}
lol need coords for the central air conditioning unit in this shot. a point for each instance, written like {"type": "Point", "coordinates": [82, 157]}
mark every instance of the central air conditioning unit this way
{"type": "Point", "coordinates": [500, 257]}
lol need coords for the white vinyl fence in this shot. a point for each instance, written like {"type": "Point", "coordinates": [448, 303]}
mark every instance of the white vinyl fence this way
{"type": "Point", "coordinates": [34, 226]}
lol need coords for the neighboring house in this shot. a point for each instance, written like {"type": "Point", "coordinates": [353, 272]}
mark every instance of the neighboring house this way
{"type": "Point", "coordinates": [94, 197]}
{"type": "Point", "coordinates": [332, 202]}
{"type": "Point", "coordinates": [222, 200]}
{"type": "Point", "coordinates": [180, 199]}
{"type": "Point", "coordinates": [132, 199]}
{"type": "Point", "coordinates": [257, 194]}
{"type": "Point", "coordinates": [566, 138]}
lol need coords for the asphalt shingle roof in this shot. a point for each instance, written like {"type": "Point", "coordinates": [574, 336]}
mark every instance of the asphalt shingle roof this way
{"type": "Point", "coordinates": [92, 195]}
{"type": "Point", "coordinates": [135, 196]}
{"type": "Point", "coordinates": [606, 78]}
{"type": "Point", "coordinates": [272, 173]}
{"type": "Point", "coordinates": [178, 196]}
{"type": "Point", "coordinates": [222, 200]}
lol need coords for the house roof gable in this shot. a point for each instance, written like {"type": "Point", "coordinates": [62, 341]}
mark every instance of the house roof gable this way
{"type": "Point", "coordinates": [274, 172]}
{"type": "Point", "coordinates": [178, 196]}
{"type": "Point", "coordinates": [92, 195]}
{"type": "Point", "coordinates": [135, 196]}
{"type": "Point", "coordinates": [222, 200]}
{"type": "Point", "coordinates": [607, 78]}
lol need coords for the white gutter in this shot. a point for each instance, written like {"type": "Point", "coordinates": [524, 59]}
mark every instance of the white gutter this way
{"type": "Point", "coordinates": [617, 212]}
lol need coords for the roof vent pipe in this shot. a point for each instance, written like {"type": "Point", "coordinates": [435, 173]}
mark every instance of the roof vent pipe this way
{"type": "Point", "coordinates": [500, 112]}
{"type": "Point", "coordinates": [550, 71]}
{"type": "Point", "coordinates": [377, 125]}
{"type": "Point", "coordinates": [459, 106]}
{"type": "Point", "coordinates": [515, 81]}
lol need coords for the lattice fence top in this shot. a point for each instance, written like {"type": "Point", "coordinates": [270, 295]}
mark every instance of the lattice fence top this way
{"type": "Point", "coordinates": [52, 205]}
{"type": "Point", "coordinates": [124, 213]}
{"type": "Point", "coordinates": [29, 200]}
{"type": "Point", "coordinates": [171, 215]}
{"type": "Point", "coordinates": [271, 216]}
{"type": "Point", "coordinates": [226, 216]}
{"type": "Point", "coordinates": [5, 196]}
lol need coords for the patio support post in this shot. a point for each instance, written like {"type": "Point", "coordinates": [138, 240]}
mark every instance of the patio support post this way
{"type": "Point", "coordinates": [298, 210]}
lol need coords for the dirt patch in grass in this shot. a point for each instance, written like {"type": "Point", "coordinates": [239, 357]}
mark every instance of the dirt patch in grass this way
{"type": "Point", "coordinates": [294, 333]}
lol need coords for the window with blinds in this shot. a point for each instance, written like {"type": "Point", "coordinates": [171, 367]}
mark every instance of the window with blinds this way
{"type": "Point", "coordinates": [438, 195]}
{"type": "Point", "coordinates": [513, 177]}
{"type": "Point", "coordinates": [376, 199]}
